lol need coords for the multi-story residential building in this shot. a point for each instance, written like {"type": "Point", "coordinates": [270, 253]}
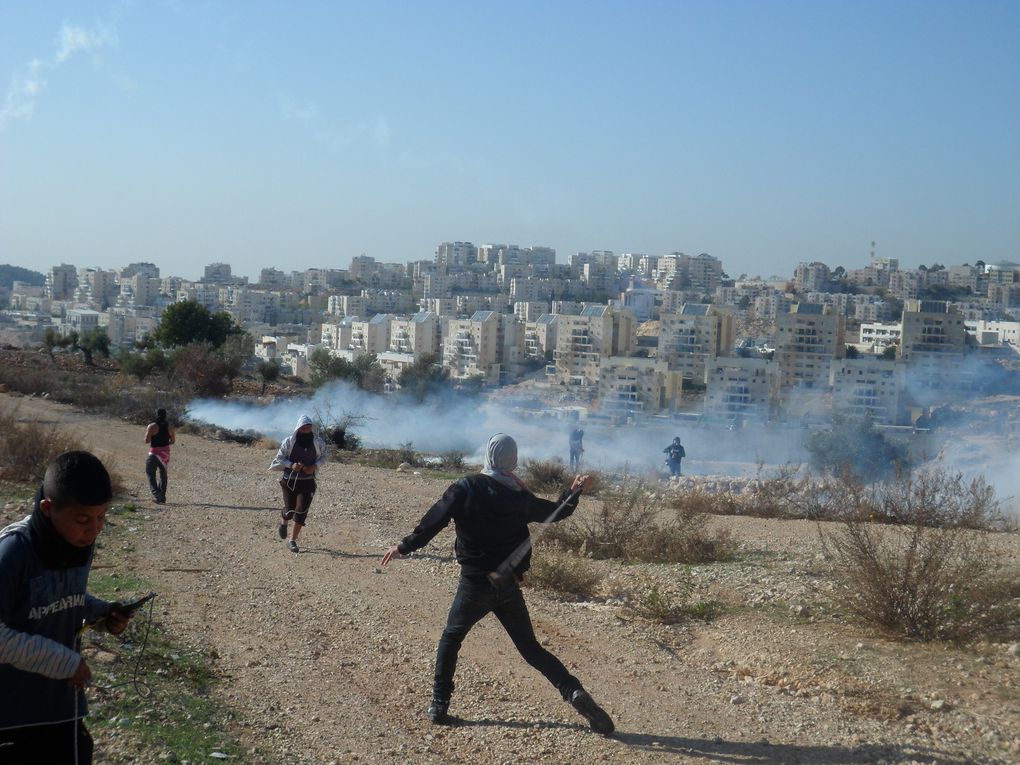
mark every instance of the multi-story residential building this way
{"type": "Point", "coordinates": [472, 346]}
{"type": "Point", "coordinates": [439, 306]}
{"type": "Point", "coordinates": [61, 282]}
{"type": "Point", "coordinates": [880, 335]}
{"type": "Point", "coordinates": [217, 273]}
{"type": "Point", "coordinates": [96, 288]}
{"type": "Point", "coordinates": [583, 341]}
{"type": "Point", "coordinates": [1007, 332]}
{"type": "Point", "coordinates": [968, 277]}
{"type": "Point", "coordinates": [694, 337]}
{"type": "Point", "coordinates": [739, 390]}
{"type": "Point", "coordinates": [931, 327]}
{"type": "Point", "coordinates": [80, 320]}
{"type": "Point", "coordinates": [139, 289]}
{"type": "Point", "coordinates": [386, 301]}
{"type": "Point", "coordinates": [337, 335]}
{"type": "Point", "coordinates": [933, 346]}
{"type": "Point", "coordinates": [143, 269]}
{"type": "Point", "coordinates": [872, 308]}
{"type": "Point", "coordinates": [811, 277]}
{"type": "Point", "coordinates": [771, 305]}
{"type": "Point", "coordinates": [456, 254]}
{"type": "Point", "coordinates": [271, 279]}
{"type": "Point", "coordinates": [540, 338]}
{"type": "Point", "coordinates": [530, 311]}
{"type": "Point", "coordinates": [643, 302]}
{"type": "Point", "coordinates": [868, 387]}
{"type": "Point", "coordinates": [808, 338]}
{"type": "Point", "coordinates": [906, 285]}
{"type": "Point", "coordinates": [417, 335]}
{"type": "Point", "coordinates": [630, 387]}
{"type": "Point", "coordinates": [1004, 295]}
{"type": "Point", "coordinates": [372, 336]}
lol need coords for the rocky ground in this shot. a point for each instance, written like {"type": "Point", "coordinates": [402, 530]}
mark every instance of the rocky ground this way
{"type": "Point", "coordinates": [327, 657]}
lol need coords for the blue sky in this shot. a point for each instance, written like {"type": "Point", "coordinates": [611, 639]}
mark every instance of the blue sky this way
{"type": "Point", "coordinates": [300, 134]}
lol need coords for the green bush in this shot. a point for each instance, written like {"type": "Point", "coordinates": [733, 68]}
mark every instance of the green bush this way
{"type": "Point", "coordinates": [565, 574]}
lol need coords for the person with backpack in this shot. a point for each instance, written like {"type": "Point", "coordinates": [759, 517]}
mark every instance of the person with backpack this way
{"type": "Point", "coordinates": [299, 457]}
{"type": "Point", "coordinates": [160, 436]}
{"type": "Point", "coordinates": [491, 512]}
{"type": "Point", "coordinates": [675, 454]}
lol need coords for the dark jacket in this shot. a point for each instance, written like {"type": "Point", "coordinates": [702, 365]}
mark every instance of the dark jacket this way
{"type": "Point", "coordinates": [43, 602]}
{"type": "Point", "coordinates": [491, 522]}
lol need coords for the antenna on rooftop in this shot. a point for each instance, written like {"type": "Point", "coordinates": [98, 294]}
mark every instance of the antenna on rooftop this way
{"type": "Point", "coordinates": [872, 250]}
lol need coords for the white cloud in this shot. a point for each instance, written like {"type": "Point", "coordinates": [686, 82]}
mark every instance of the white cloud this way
{"type": "Point", "coordinates": [24, 88]}
{"type": "Point", "coordinates": [335, 137]}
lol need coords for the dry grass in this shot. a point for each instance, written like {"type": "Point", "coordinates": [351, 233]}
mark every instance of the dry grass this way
{"type": "Point", "coordinates": [546, 476]}
{"type": "Point", "coordinates": [563, 573]}
{"type": "Point", "coordinates": [635, 522]}
{"type": "Point", "coordinates": [650, 600]}
{"type": "Point", "coordinates": [26, 448]}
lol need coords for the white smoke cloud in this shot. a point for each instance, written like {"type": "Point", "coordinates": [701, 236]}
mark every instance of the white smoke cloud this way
{"type": "Point", "coordinates": [27, 86]}
{"type": "Point", "coordinates": [465, 424]}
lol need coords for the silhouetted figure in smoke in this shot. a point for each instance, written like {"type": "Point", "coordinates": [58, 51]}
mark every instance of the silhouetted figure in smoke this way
{"type": "Point", "coordinates": [338, 436]}
{"type": "Point", "coordinates": [674, 456]}
{"type": "Point", "coordinates": [576, 448]}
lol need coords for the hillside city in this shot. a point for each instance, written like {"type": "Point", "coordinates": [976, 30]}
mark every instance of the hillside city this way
{"type": "Point", "coordinates": [627, 335]}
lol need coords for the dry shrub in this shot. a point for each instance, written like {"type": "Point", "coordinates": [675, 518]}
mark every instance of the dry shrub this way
{"type": "Point", "coordinates": [636, 523]}
{"type": "Point", "coordinates": [546, 476]}
{"type": "Point", "coordinates": [649, 600]}
{"type": "Point", "coordinates": [26, 448]}
{"type": "Point", "coordinates": [932, 576]}
{"type": "Point", "coordinates": [563, 573]}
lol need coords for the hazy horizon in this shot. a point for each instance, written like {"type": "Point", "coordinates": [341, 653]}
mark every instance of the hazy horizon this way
{"type": "Point", "coordinates": [301, 135]}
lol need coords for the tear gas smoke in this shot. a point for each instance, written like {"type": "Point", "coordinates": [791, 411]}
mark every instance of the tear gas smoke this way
{"type": "Point", "coordinates": [456, 422]}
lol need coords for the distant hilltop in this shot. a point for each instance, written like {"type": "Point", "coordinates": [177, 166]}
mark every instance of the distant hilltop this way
{"type": "Point", "coordinates": [10, 274]}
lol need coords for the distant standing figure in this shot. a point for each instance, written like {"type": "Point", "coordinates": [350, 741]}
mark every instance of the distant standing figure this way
{"type": "Point", "coordinates": [299, 458]}
{"type": "Point", "coordinates": [160, 435]}
{"type": "Point", "coordinates": [576, 448]}
{"type": "Point", "coordinates": [674, 456]}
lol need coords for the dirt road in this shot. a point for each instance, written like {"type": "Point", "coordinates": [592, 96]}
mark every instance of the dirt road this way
{"type": "Point", "coordinates": [329, 657]}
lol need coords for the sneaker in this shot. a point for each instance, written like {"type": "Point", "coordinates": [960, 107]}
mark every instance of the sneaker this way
{"type": "Point", "coordinates": [282, 531]}
{"type": "Point", "coordinates": [437, 711]}
{"type": "Point", "coordinates": [293, 546]}
{"type": "Point", "coordinates": [596, 716]}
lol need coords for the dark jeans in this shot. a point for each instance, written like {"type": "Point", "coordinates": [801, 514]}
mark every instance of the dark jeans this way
{"type": "Point", "coordinates": [674, 466]}
{"type": "Point", "coordinates": [152, 464]}
{"type": "Point", "coordinates": [575, 458]}
{"type": "Point", "coordinates": [477, 596]}
{"type": "Point", "coordinates": [298, 499]}
{"type": "Point", "coordinates": [45, 744]}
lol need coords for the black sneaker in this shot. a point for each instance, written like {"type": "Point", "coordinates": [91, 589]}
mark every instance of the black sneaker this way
{"type": "Point", "coordinates": [282, 531]}
{"type": "Point", "coordinates": [293, 546]}
{"type": "Point", "coordinates": [437, 711]}
{"type": "Point", "coordinates": [596, 716]}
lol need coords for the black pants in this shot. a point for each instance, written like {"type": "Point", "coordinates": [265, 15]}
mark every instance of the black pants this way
{"type": "Point", "coordinates": [40, 744]}
{"type": "Point", "coordinates": [477, 596]}
{"type": "Point", "coordinates": [152, 464]}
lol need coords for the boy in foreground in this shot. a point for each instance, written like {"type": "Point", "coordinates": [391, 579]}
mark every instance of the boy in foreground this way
{"type": "Point", "coordinates": [44, 568]}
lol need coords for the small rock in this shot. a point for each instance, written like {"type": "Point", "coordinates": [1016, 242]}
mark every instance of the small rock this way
{"type": "Point", "coordinates": [736, 698]}
{"type": "Point", "coordinates": [937, 705]}
{"type": "Point", "coordinates": [1014, 649]}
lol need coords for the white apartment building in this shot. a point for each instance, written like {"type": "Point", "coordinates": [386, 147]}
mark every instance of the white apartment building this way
{"type": "Point", "coordinates": [869, 387]}
{"type": "Point", "coordinates": [583, 341]}
{"type": "Point", "coordinates": [530, 311]}
{"type": "Point", "coordinates": [472, 347]}
{"type": "Point", "coordinates": [372, 336]}
{"type": "Point", "coordinates": [630, 387]}
{"type": "Point", "coordinates": [808, 338]}
{"type": "Point", "coordinates": [692, 338]}
{"type": "Point", "coordinates": [740, 390]}
{"type": "Point", "coordinates": [540, 338]}
{"type": "Point", "coordinates": [880, 335]}
{"type": "Point", "coordinates": [417, 335]}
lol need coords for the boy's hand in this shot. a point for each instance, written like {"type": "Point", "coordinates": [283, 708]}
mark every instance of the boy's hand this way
{"type": "Point", "coordinates": [297, 467]}
{"type": "Point", "coordinates": [308, 469]}
{"type": "Point", "coordinates": [580, 482]}
{"type": "Point", "coordinates": [117, 621]}
{"type": "Point", "coordinates": [392, 554]}
{"type": "Point", "coordinates": [81, 676]}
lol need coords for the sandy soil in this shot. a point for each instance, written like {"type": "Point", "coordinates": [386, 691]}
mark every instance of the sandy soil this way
{"type": "Point", "coordinates": [328, 657]}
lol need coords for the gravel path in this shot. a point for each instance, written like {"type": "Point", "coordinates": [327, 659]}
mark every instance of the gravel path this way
{"type": "Point", "coordinates": [329, 658]}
